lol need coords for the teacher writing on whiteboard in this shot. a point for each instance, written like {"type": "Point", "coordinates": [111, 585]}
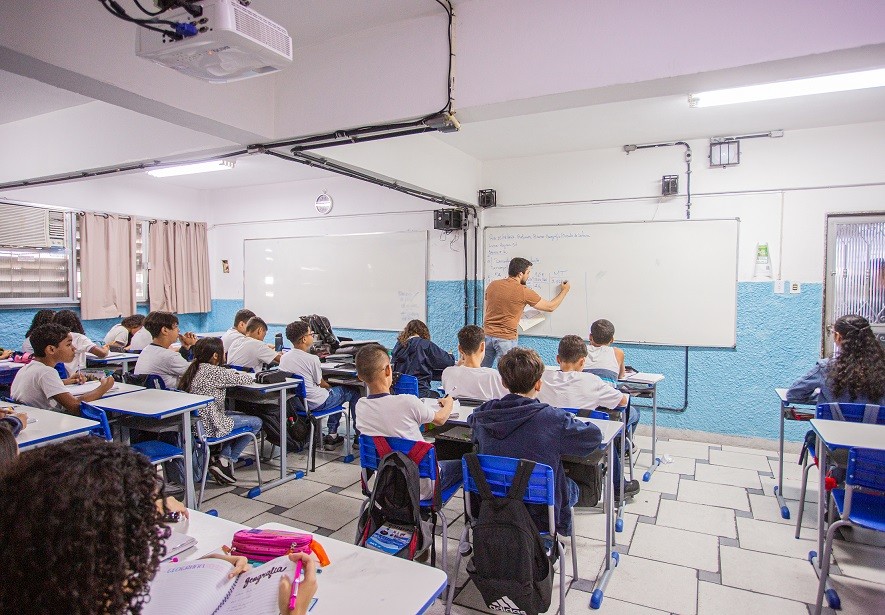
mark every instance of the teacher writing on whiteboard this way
{"type": "Point", "coordinates": [505, 301]}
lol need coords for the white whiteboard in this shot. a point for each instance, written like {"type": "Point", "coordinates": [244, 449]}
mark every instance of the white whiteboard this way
{"type": "Point", "coordinates": [372, 281]}
{"type": "Point", "coordinates": [672, 283]}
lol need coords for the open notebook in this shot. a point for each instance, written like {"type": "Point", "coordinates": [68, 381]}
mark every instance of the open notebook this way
{"type": "Point", "coordinates": [201, 587]}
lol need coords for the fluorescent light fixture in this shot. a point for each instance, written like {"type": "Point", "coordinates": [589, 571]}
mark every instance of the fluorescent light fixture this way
{"type": "Point", "coordinates": [789, 89]}
{"type": "Point", "coordinates": [189, 169]}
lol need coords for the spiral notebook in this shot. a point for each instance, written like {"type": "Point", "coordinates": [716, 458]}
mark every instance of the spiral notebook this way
{"type": "Point", "coordinates": [201, 587]}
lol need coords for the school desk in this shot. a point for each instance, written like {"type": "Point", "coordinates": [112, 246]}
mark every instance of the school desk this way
{"type": "Point", "coordinates": [794, 412]}
{"type": "Point", "coordinates": [8, 370]}
{"type": "Point", "coordinates": [160, 404]}
{"type": "Point", "coordinates": [833, 435]}
{"type": "Point", "coordinates": [119, 388]}
{"type": "Point", "coordinates": [360, 580]}
{"type": "Point", "coordinates": [643, 385]}
{"type": "Point", "coordinates": [248, 392]}
{"type": "Point", "coordinates": [50, 427]}
{"type": "Point", "coordinates": [114, 358]}
{"type": "Point", "coordinates": [211, 532]}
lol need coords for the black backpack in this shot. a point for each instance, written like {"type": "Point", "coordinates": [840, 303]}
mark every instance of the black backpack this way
{"type": "Point", "coordinates": [396, 498]}
{"type": "Point", "coordinates": [510, 566]}
{"type": "Point", "coordinates": [323, 335]}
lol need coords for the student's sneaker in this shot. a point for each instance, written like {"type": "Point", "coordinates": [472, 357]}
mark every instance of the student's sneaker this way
{"type": "Point", "coordinates": [222, 471]}
{"type": "Point", "coordinates": [356, 440]}
{"type": "Point", "coordinates": [332, 440]}
{"type": "Point", "coordinates": [631, 488]}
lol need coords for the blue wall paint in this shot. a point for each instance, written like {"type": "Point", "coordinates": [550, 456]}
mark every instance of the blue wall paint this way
{"type": "Point", "coordinates": [730, 390]}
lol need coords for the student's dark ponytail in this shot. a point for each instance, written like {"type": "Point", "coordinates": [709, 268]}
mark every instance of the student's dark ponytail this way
{"type": "Point", "coordinates": [204, 350]}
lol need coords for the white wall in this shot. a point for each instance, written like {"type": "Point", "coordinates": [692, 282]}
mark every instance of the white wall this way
{"type": "Point", "coordinates": [810, 171]}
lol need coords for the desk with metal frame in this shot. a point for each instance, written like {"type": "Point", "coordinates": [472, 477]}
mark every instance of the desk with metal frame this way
{"type": "Point", "coordinates": [122, 358]}
{"type": "Point", "coordinates": [644, 389]}
{"type": "Point", "coordinates": [795, 412]}
{"type": "Point", "coordinates": [50, 427]}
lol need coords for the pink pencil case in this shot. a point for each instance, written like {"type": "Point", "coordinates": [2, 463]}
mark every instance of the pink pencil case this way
{"type": "Point", "coordinates": [265, 545]}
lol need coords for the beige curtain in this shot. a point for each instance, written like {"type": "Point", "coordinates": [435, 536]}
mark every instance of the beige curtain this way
{"type": "Point", "coordinates": [178, 279]}
{"type": "Point", "coordinates": [107, 266]}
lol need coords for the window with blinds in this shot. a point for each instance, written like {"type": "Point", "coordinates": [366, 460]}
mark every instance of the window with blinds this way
{"type": "Point", "coordinates": [855, 281]}
{"type": "Point", "coordinates": [35, 258]}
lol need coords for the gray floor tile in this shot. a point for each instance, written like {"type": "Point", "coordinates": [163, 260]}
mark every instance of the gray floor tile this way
{"type": "Point", "coordinates": [726, 496]}
{"type": "Point", "coordinates": [680, 547]}
{"type": "Point", "coordinates": [724, 475]}
{"type": "Point", "coordinates": [578, 602]}
{"type": "Point", "coordinates": [235, 508]}
{"type": "Point", "coordinates": [643, 503]}
{"type": "Point", "coordinates": [714, 599]}
{"type": "Point", "coordinates": [775, 538]}
{"type": "Point", "coordinates": [655, 584]}
{"type": "Point", "coordinates": [325, 509]}
{"type": "Point", "coordinates": [698, 518]}
{"type": "Point", "coordinates": [268, 517]}
{"type": "Point", "coordinates": [337, 474]}
{"type": "Point", "coordinates": [662, 482]}
{"type": "Point", "coordinates": [684, 448]}
{"type": "Point", "coordinates": [292, 493]}
{"type": "Point", "coordinates": [677, 465]}
{"type": "Point", "coordinates": [764, 573]}
{"type": "Point", "coordinates": [740, 460]}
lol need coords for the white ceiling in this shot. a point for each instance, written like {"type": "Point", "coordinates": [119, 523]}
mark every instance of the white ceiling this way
{"type": "Point", "coordinates": [21, 98]}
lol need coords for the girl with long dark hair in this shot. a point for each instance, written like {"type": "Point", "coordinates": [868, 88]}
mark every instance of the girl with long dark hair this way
{"type": "Point", "coordinates": [416, 355]}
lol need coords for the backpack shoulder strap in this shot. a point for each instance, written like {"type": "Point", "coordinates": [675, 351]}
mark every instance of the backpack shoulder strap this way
{"type": "Point", "coordinates": [479, 476]}
{"type": "Point", "coordinates": [382, 446]}
{"type": "Point", "coordinates": [521, 481]}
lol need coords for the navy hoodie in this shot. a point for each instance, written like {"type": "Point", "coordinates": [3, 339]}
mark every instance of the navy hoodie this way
{"type": "Point", "coordinates": [420, 358]}
{"type": "Point", "coordinates": [517, 426]}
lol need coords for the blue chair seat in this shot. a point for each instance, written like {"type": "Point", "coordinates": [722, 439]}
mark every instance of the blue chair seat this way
{"type": "Point", "coordinates": [866, 509]}
{"type": "Point", "coordinates": [239, 431]}
{"type": "Point", "coordinates": [445, 495]}
{"type": "Point", "coordinates": [154, 449]}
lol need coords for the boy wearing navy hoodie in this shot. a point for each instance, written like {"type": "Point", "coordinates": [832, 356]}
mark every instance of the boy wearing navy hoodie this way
{"type": "Point", "coordinates": [518, 425]}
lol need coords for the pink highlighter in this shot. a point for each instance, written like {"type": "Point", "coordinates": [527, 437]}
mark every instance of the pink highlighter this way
{"type": "Point", "coordinates": [298, 577]}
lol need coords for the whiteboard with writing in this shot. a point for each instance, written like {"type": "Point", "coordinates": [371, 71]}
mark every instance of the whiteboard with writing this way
{"type": "Point", "coordinates": [370, 281]}
{"type": "Point", "coordinates": [671, 283]}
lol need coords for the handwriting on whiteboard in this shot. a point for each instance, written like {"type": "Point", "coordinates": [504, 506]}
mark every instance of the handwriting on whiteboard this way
{"type": "Point", "coordinates": [409, 305]}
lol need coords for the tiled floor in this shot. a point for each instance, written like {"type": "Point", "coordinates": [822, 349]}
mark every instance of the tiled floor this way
{"type": "Point", "coordinates": [703, 537]}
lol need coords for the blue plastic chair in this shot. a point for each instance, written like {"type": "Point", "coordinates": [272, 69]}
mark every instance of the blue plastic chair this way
{"type": "Point", "coordinates": [205, 442]}
{"type": "Point", "coordinates": [860, 503]}
{"type": "Point", "coordinates": [158, 452]}
{"type": "Point", "coordinates": [406, 385]}
{"type": "Point", "coordinates": [499, 473]}
{"type": "Point", "coordinates": [853, 413]}
{"type": "Point", "coordinates": [428, 468]}
{"type": "Point", "coordinates": [315, 418]}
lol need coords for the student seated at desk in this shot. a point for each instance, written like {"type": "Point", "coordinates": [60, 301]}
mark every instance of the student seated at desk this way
{"type": "Point", "coordinates": [398, 416]}
{"type": "Point", "coordinates": [118, 338]}
{"type": "Point", "coordinates": [249, 350]}
{"type": "Point", "coordinates": [518, 425]}
{"type": "Point", "coordinates": [207, 376]}
{"type": "Point", "coordinates": [89, 514]}
{"type": "Point", "coordinates": [319, 394]}
{"type": "Point", "coordinates": [41, 317]}
{"type": "Point", "coordinates": [241, 318]}
{"type": "Point", "coordinates": [158, 358]}
{"type": "Point", "coordinates": [468, 379]}
{"type": "Point", "coordinates": [603, 359]}
{"type": "Point", "coordinates": [140, 340]}
{"type": "Point", "coordinates": [38, 384]}
{"type": "Point", "coordinates": [571, 387]}
{"type": "Point", "coordinates": [82, 344]}
{"type": "Point", "coordinates": [416, 355]}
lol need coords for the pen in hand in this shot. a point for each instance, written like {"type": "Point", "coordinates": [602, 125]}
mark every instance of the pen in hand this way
{"type": "Point", "coordinates": [293, 597]}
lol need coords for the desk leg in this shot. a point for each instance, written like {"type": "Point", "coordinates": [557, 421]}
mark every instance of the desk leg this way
{"type": "Point", "coordinates": [611, 557]}
{"type": "Point", "coordinates": [822, 500]}
{"type": "Point", "coordinates": [655, 462]}
{"type": "Point", "coordinates": [284, 472]}
{"type": "Point", "coordinates": [619, 523]}
{"type": "Point", "coordinates": [779, 490]}
{"type": "Point", "coordinates": [190, 496]}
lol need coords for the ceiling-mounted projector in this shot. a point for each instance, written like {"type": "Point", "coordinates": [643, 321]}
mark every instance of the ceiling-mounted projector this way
{"type": "Point", "coordinates": [232, 43]}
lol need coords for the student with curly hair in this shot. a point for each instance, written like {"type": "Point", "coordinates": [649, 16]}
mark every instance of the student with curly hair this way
{"type": "Point", "coordinates": [855, 373]}
{"type": "Point", "coordinates": [82, 344]}
{"type": "Point", "coordinates": [88, 532]}
{"type": "Point", "coordinates": [416, 355]}
{"type": "Point", "coordinates": [41, 317]}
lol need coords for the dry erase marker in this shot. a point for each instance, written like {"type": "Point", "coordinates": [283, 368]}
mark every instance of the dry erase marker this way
{"type": "Point", "coordinates": [294, 595]}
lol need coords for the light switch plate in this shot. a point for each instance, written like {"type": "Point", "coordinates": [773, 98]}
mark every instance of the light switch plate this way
{"type": "Point", "coordinates": [795, 288]}
{"type": "Point", "coordinates": [779, 287]}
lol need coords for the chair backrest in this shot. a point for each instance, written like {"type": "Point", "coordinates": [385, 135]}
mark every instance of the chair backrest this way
{"type": "Point", "coordinates": [853, 413]}
{"type": "Point", "coordinates": [866, 468]}
{"type": "Point", "coordinates": [369, 457]}
{"type": "Point", "coordinates": [240, 368]}
{"type": "Point", "coordinates": [97, 414]}
{"type": "Point", "coordinates": [500, 472]}
{"type": "Point", "coordinates": [406, 385]}
{"type": "Point", "coordinates": [589, 414]}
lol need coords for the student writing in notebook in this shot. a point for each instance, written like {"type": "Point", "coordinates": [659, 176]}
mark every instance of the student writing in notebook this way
{"type": "Point", "coordinates": [249, 350]}
{"type": "Point", "coordinates": [468, 379]}
{"type": "Point", "coordinates": [90, 515]}
{"type": "Point", "coordinates": [38, 384]}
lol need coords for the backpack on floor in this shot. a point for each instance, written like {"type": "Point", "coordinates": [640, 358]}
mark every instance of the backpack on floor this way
{"type": "Point", "coordinates": [325, 340]}
{"type": "Point", "coordinates": [510, 566]}
{"type": "Point", "coordinates": [391, 521]}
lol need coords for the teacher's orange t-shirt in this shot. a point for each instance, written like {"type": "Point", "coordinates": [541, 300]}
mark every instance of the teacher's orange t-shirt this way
{"type": "Point", "coordinates": [505, 301]}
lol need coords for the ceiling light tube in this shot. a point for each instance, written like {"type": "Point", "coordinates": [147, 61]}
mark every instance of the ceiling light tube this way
{"type": "Point", "coordinates": [788, 89]}
{"type": "Point", "coordinates": [189, 169]}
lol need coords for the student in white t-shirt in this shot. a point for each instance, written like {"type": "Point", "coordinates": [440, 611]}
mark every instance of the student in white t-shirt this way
{"type": "Point", "coordinates": [82, 344]}
{"type": "Point", "coordinates": [241, 319]}
{"type": "Point", "coordinates": [319, 394]}
{"type": "Point", "coordinates": [140, 340]}
{"type": "Point", "coordinates": [468, 379]}
{"type": "Point", "coordinates": [157, 358]}
{"type": "Point", "coordinates": [38, 384]}
{"type": "Point", "coordinates": [398, 416]}
{"type": "Point", "coordinates": [41, 317]}
{"type": "Point", "coordinates": [118, 337]}
{"type": "Point", "coordinates": [573, 388]}
{"type": "Point", "coordinates": [249, 351]}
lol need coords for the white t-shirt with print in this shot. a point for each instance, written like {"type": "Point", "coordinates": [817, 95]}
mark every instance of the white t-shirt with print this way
{"type": "Point", "coordinates": [36, 384]}
{"type": "Point", "coordinates": [250, 353]}
{"type": "Point", "coordinates": [579, 390]}
{"type": "Point", "coordinates": [482, 383]}
{"type": "Point", "coordinates": [308, 367]}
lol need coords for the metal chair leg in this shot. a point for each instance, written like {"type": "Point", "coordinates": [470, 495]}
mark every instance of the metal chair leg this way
{"type": "Point", "coordinates": [801, 511]}
{"type": "Point", "coordinates": [450, 598]}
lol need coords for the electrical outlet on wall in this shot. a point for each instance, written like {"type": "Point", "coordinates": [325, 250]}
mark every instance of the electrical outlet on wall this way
{"type": "Point", "coordinates": [779, 287]}
{"type": "Point", "coordinates": [795, 288]}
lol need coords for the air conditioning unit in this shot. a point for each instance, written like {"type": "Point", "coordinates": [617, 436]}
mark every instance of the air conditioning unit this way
{"type": "Point", "coordinates": [31, 227]}
{"type": "Point", "coordinates": [232, 43]}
